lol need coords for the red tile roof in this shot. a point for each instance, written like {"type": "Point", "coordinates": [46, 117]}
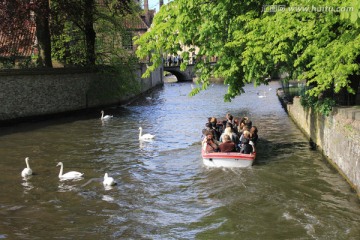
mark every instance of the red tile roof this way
{"type": "Point", "coordinates": [18, 44]}
{"type": "Point", "coordinates": [134, 22]}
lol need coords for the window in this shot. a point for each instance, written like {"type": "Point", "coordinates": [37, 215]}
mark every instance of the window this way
{"type": "Point", "coordinates": [127, 41]}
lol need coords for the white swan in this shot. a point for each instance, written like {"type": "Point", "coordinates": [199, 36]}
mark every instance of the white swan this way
{"type": "Point", "coordinates": [261, 96]}
{"type": "Point", "coordinates": [106, 117]}
{"type": "Point", "coordinates": [68, 175]}
{"type": "Point", "coordinates": [145, 136]}
{"type": "Point", "coordinates": [27, 171]}
{"type": "Point", "coordinates": [108, 181]}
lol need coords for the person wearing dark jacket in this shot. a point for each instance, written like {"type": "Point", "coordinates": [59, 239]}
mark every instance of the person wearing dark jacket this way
{"type": "Point", "coordinates": [253, 134]}
{"type": "Point", "coordinates": [247, 146]}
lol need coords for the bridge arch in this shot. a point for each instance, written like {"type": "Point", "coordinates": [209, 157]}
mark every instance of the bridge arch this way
{"type": "Point", "coordinates": [181, 76]}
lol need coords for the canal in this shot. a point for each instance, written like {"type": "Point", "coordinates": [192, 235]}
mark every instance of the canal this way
{"type": "Point", "coordinates": [163, 190]}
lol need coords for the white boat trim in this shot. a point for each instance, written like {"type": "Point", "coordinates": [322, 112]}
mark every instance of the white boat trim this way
{"type": "Point", "coordinates": [230, 159]}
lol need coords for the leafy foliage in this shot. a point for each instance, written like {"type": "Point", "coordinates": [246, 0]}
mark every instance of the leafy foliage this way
{"type": "Point", "coordinates": [323, 105]}
{"type": "Point", "coordinates": [74, 30]}
{"type": "Point", "coordinates": [68, 44]}
{"type": "Point", "coordinates": [72, 24]}
{"type": "Point", "coordinates": [121, 81]}
{"type": "Point", "coordinates": [310, 40]}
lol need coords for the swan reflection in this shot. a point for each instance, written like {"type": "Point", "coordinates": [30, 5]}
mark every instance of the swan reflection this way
{"type": "Point", "coordinates": [107, 188]}
{"type": "Point", "coordinates": [27, 185]}
{"type": "Point", "coordinates": [108, 198]}
{"type": "Point", "coordinates": [63, 187]}
{"type": "Point", "coordinates": [143, 142]}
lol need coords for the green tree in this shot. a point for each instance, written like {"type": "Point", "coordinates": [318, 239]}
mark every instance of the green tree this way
{"type": "Point", "coordinates": [309, 40]}
{"type": "Point", "coordinates": [41, 9]}
{"type": "Point", "coordinates": [77, 26]}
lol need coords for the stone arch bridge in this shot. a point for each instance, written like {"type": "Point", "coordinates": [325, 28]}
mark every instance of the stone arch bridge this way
{"type": "Point", "coordinates": [182, 76]}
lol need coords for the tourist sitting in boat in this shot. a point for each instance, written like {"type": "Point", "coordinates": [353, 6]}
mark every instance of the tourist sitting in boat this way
{"type": "Point", "coordinates": [214, 125]}
{"type": "Point", "coordinates": [241, 123]}
{"type": "Point", "coordinates": [230, 118]}
{"type": "Point", "coordinates": [244, 122]}
{"type": "Point", "coordinates": [247, 146]}
{"type": "Point", "coordinates": [209, 143]}
{"type": "Point", "coordinates": [240, 127]}
{"type": "Point", "coordinates": [227, 145]}
{"type": "Point", "coordinates": [245, 128]}
{"type": "Point", "coordinates": [230, 132]}
{"type": "Point", "coordinates": [253, 134]}
{"type": "Point", "coordinates": [207, 129]}
{"type": "Point", "coordinates": [248, 122]}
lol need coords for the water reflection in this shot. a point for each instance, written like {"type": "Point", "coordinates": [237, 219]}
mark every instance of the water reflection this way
{"type": "Point", "coordinates": [108, 198]}
{"type": "Point", "coordinates": [67, 187]}
{"type": "Point", "coordinates": [146, 144]}
{"type": "Point", "coordinates": [27, 184]}
{"type": "Point", "coordinates": [108, 188]}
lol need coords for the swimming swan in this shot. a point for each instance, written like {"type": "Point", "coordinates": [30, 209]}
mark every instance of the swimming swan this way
{"type": "Point", "coordinates": [106, 117]}
{"type": "Point", "coordinates": [145, 136]}
{"type": "Point", "coordinates": [27, 171]}
{"type": "Point", "coordinates": [108, 181]}
{"type": "Point", "coordinates": [68, 175]}
{"type": "Point", "coordinates": [261, 96]}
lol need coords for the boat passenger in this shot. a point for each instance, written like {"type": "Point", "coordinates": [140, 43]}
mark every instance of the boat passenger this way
{"type": "Point", "coordinates": [210, 144]}
{"type": "Point", "coordinates": [227, 145]}
{"type": "Point", "coordinates": [213, 121]}
{"type": "Point", "coordinates": [248, 123]}
{"type": "Point", "coordinates": [253, 134]}
{"type": "Point", "coordinates": [215, 127]}
{"type": "Point", "coordinates": [229, 131]}
{"type": "Point", "coordinates": [230, 118]}
{"type": "Point", "coordinates": [247, 146]}
{"type": "Point", "coordinates": [245, 128]}
{"type": "Point", "coordinates": [207, 129]}
{"type": "Point", "coordinates": [241, 125]}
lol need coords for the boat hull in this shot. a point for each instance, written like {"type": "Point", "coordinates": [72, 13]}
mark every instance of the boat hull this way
{"type": "Point", "coordinates": [231, 159]}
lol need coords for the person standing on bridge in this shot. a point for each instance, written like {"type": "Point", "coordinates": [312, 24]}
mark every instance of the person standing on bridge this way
{"type": "Point", "coordinates": [179, 59]}
{"type": "Point", "coordinates": [169, 60]}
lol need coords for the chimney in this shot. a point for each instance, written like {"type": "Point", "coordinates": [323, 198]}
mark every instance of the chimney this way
{"type": "Point", "coordinates": [161, 2]}
{"type": "Point", "coordinates": [146, 10]}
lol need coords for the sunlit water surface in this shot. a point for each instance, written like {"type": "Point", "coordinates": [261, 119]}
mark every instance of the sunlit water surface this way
{"type": "Point", "coordinates": [163, 190]}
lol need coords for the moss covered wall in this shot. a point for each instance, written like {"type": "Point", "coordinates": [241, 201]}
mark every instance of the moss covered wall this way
{"type": "Point", "coordinates": [28, 93]}
{"type": "Point", "coordinates": [337, 136]}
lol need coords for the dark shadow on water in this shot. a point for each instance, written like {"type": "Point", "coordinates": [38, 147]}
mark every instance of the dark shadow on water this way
{"type": "Point", "coordinates": [31, 123]}
{"type": "Point", "coordinates": [268, 151]}
{"type": "Point", "coordinates": [38, 122]}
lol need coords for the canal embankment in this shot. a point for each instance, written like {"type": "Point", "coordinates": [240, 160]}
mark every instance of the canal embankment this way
{"type": "Point", "coordinates": [27, 93]}
{"type": "Point", "coordinates": [337, 136]}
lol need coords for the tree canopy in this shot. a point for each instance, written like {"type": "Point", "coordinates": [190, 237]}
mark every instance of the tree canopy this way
{"type": "Point", "coordinates": [317, 41]}
{"type": "Point", "coordinates": [66, 30]}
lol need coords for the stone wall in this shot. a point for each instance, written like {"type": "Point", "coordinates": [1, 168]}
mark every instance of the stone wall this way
{"type": "Point", "coordinates": [337, 136]}
{"type": "Point", "coordinates": [30, 93]}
